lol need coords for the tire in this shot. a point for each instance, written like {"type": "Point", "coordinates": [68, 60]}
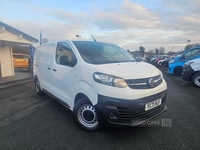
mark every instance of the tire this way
{"type": "Point", "coordinates": [37, 87]}
{"type": "Point", "coordinates": [165, 64]}
{"type": "Point", "coordinates": [196, 79]}
{"type": "Point", "coordinates": [85, 115]}
{"type": "Point", "coordinates": [178, 71]}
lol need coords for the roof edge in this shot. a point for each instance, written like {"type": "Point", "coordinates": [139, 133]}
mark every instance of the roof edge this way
{"type": "Point", "coordinates": [12, 29]}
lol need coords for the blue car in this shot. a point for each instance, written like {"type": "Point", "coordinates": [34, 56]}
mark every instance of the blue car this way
{"type": "Point", "coordinates": [176, 64]}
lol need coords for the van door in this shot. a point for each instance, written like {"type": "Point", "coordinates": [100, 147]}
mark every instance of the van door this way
{"type": "Point", "coordinates": [44, 56]}
{"type": "Point", "coordinates": [63, 71]}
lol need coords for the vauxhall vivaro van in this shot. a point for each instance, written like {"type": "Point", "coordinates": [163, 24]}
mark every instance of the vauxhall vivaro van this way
{"type": "Point", "coordinates": [100, 82]}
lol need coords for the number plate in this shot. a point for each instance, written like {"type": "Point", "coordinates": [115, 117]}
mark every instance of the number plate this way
{"type": "Point", "coordinates": [152, 105]}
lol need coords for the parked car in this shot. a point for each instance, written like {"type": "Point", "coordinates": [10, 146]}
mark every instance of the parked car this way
{"type": "Point", "coordinates": [100, 82]}
{"type": "Point", "coordinates": [191, 72]}
{"type": "Point", "coordinates": [176, 64]}
{"type": "Point", "coordinates": [165, 62]}
{"type": "Point", "coordinates": [21, 61]}
{"type": "Point", "coordinates": [160, 58]}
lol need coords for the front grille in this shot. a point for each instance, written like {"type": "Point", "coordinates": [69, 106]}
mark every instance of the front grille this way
{"type": "Point", "coordinates": [125, 115]}
{"type": "Point", "coordinates": [150, 113]}
{"type": "Point", "coordinates": [151, 98]}
{"type": "Point", "coordinates": [144, 82]}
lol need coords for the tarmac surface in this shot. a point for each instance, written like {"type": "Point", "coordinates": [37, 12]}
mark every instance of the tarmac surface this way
{"type": "Point", "coordinates": [19, 78]}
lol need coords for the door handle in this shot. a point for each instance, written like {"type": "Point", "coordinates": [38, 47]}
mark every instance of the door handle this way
{"type": "Point", "coordinates": [49, 68]}
{"type": "Point", "coordinates": [54, 69]}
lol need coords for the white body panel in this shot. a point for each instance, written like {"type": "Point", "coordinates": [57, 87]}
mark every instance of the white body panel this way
{"type": "Point", "coordinates": [196, 64]}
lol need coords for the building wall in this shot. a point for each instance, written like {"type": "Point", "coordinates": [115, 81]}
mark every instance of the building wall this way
{"type": "Point", "coordinates": [7, 68]}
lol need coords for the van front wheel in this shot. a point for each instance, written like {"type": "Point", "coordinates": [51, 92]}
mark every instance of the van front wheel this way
{"type": "Point", "coordinates": [85, 115]}
{"type": "Point", "coordinates": [196, 79]}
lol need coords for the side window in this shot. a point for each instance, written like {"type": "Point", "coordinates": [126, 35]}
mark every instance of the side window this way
{"type": "Point", "coordinates": [195, 53]}
{"type": "Point", "coordinates": [187, 55]}
{"type": "Point", "coordinates": [65, 55]}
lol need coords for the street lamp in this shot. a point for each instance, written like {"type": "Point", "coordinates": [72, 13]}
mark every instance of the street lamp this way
{"type": "Point", "coordinates": [188, 41]}
{"type": "Point", "coordinates": [78, 36]}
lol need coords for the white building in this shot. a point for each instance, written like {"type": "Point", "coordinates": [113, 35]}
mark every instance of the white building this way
{"type": "Point", "coordinates": [9, 37]}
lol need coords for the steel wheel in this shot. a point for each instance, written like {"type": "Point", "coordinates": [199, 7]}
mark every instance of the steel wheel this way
{"type": "Point", "coordinates": [85, 115]}
{"type": "Point", "coordinates": [196, 80]}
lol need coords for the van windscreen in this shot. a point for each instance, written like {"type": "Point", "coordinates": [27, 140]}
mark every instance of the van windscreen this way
{"type": "Point", "coordinates": [102, 53]}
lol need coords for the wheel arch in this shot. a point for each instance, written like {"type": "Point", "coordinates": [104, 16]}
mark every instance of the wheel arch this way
{"type": "Point", "coordinates": [84, 89]}
{"type": "Point", "coordinates": [35, 77]}
{"type": "Point", "coordinates": [175, 68]}
{"type": "Point", "coordinates": [79, 96]}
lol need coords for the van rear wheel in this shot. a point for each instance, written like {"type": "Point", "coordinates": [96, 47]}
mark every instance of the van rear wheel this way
{"type": "Point", "coordinates": [85, 115]}
{"type": "Point", "coordinates": [196, 79]}
{"type": "Point", "coordinates": [37, 87]}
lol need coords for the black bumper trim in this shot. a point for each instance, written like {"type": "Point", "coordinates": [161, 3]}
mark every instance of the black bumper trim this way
{"type": "Point", "coordinates": [126, 112]}
{"type": "Point", "coordinates": [187, 73]}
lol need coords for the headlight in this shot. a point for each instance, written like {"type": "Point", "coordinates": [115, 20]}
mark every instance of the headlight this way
{"type": "Point", "coordinates": [188, 63]}
{"type": "Point", "coordinates": [109, 80]}
{"type": "Point", "coordinates": [161, 75]}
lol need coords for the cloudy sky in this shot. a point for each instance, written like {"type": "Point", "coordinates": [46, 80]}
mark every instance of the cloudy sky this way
{"type": "Point", "coordinates": [128, 23]}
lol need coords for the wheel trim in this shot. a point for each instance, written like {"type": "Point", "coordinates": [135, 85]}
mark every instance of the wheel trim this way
{"type": "Point", "coordinates": [87, 116]}
{"type": "Point", "coordinates": [197, 80]}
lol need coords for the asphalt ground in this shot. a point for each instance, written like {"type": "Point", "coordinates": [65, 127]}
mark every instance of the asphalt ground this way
{"type": "Point", "coordinates": [29, 121]}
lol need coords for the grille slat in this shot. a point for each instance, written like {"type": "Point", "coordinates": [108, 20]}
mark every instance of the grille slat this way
{"type": "Point", "coordinates": [127, 117]}
{"type": "Point", "coordinates": [150, 113]}
{"type": "Point", "coordinates": [143, 83]}
{"type": "Point", "coordinates": [124, 115]}
{"type": "Point", "coordinates": [151, 98]}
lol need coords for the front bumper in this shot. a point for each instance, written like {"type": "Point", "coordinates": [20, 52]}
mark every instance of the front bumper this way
{"type": "Point", "coordinates": [170, 68]}
{"type": "Point", "coordinates": [129, 112]}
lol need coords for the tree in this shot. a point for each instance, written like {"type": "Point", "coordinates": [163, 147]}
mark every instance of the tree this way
{"type": "Point", "coordinates": [156, 51]}
{"type": "Point", "coordinates": [170, 53]}
{"type": "Point", "coordinates": [188, 46]}
{"type": "Point", "coordinates": [141, 49]}
{"type": "Point", "coordinates": [161, 50]}
{"type": "Point", "coordinates": [151, 51]}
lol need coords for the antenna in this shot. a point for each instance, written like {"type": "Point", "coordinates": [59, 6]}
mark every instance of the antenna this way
{"type": "Point", "coordinates": [93, 38]}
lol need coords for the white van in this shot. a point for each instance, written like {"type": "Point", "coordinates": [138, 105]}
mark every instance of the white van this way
{"type": "Point", "coordinates": [191, 72]}
{"type": "Point", "coordinates": [100, 82]}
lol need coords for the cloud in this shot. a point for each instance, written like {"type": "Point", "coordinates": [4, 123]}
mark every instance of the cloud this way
{"type": "Point", "coordinates": [169, 23]}
{"type": "Point", "coordinates": [125, 15]}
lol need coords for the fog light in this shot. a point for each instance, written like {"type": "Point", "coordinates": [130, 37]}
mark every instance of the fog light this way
{"type": "Point", "coordinates": [112, 116]}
